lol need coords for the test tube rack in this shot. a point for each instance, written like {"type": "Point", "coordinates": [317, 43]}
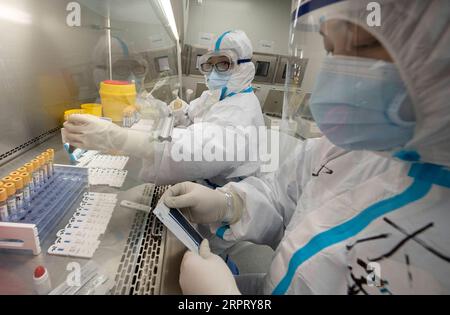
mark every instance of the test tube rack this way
{"type": "Point", "coordinates": [47, 208]}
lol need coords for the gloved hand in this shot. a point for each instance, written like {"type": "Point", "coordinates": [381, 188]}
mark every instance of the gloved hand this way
{"type": "Point", "coordinates": [206, 274]}
{"type": "Point", "coordinates": [201, 204]}
{"type": "Point", "coordinates": [178, 108]}
{"type": "Point", "coordinates": [92, 133]}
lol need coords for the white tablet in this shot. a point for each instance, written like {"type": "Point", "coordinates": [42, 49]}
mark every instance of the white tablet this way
{"type": "Point", "coordinates": [176, 222]}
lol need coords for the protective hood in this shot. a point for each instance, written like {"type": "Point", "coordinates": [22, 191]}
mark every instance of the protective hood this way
{"type": "Point", "coordinates": [416, 34]}
{"type": "Point", "coordinates": [238, 42]}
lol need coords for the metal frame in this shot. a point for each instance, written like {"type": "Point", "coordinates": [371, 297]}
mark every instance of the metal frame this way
{"type": "Point", "coordinates": [194, 52]}
{"type": "Point", "coordinates": [273, 62]}
{"type": "Point", "coordinates": [11, 154]}
{"type": "Point", "coordinates": [141, 266]}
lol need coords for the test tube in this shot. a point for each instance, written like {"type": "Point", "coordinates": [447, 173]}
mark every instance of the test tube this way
{"type": "Point", "coordinates": [4, 216]}
{"type": "Point", "coordinates": [51, 154]}
{"type": "Point", "coordinates": [46, 155]}
{"type": "Point", "coordinates": [14, 174]}
{"type": "Point", "coordinates": [21, 169]}
{"type": "Point", "coordinates": [26, 189]}
{"type": "Point", "coordinates": [11, 200]}
{"type": "Point", "coordinates": [43, 170]}
{"type": "Point", "coordinates": [7, 179]}
{"type": "Point", "coordinates": [18, 182]}
{"type": "Point", "coordinates": [30, 170]}
{"type": "Point", "coordinates": [36, 175]}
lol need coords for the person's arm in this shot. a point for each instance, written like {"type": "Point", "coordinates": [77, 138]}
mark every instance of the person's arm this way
{"type": "Point", "coordinates": [256, 209]}
{"type": "Point", "coordinates": [269, 201]}
{"type": "Point", "coordinates": [198, 152]}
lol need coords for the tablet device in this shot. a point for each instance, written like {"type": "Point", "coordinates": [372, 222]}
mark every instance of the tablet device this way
{"type": "Point", "coordinates": [177, 223]}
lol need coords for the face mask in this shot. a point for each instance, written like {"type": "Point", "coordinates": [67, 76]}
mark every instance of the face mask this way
{"type": "Point", "coordinates": [216, 81]}
{"type": "Point", "coordinates": [357, 104]}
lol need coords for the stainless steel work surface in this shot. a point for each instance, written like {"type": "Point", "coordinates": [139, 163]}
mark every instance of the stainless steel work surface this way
{"type": "Point", "coordinates": [16, 268]}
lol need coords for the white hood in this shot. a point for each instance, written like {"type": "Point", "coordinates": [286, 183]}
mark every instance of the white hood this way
{"type": "Point", "coordinates": [416, 33]}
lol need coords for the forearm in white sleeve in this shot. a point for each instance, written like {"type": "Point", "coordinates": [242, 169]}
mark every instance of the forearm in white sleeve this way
{"type": "Point", "coordinates": [183, 159]}
{"type": "Point", "coordinates": [267, 202]}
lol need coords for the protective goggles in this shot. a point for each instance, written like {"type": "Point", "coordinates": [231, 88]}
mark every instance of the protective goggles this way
{"type": "Point", "coordinates": [124, 68]}
{"type": "Point", "coordinates": [221, 61]}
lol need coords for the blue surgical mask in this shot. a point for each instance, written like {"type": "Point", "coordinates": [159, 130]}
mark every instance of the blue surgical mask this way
{"type": "Point", "coordinates": [362, 104]}
{"type": "Point", "coordinates": [217, 81]}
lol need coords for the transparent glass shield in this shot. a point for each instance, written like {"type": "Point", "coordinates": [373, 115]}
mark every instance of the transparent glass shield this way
{"type": "Point", "coordinates": [341, 79]}
{"type": "Point", "coordinates": [136, 70]}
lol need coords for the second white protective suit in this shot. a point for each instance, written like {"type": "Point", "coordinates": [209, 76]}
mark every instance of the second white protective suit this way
{"type": "Point", "coordinates": [364, 222]}
{"type": "Point", "coordinates": [215, 118]}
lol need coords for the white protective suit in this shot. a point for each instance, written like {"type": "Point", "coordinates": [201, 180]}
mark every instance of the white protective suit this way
{"type": "Point", "coordinates": [210, 115]}
{"type": "Point", "coordinates": [339, 220]}
{"type": "Point", "coordinates": [216, 117]}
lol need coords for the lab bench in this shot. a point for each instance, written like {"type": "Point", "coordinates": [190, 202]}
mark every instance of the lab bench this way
{"type": "Point", "coordinates": [136, 252]}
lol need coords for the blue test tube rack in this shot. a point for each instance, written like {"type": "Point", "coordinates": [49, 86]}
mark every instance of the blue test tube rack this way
{"type": "Point", "coordinates": [55, 199]}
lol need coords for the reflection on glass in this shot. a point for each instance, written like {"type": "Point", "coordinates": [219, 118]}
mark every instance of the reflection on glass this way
{"type": "Point", "coordinates": [285, 71]}
{"type": "Point", "coordinates": [197, 64]}
{"type": "Point", "coordinates": [262, 68]}
{"type": "Point", "coordinates": [163, 64]}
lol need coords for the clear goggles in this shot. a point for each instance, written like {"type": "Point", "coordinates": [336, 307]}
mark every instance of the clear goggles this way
{"type": "Point", "coordinates": [224, 62]}
{"type": "Point", "coordinates": [126, 67]}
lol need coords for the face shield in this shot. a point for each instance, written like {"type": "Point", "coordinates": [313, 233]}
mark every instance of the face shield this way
{"type": "Point", "coordinates": [341, 81]}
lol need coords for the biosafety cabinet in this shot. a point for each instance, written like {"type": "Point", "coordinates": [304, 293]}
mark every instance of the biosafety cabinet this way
{"type": "Point", "coordinates": [54, 54]}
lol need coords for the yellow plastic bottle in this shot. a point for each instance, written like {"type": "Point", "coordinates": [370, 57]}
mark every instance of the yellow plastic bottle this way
{"type": "Point", "coordinates": [116, 96]}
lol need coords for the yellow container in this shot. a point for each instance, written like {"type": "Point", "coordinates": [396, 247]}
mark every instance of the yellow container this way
{"type": "Point", "coordinates": [69, 112]}
{"type": "Point", "coordinates": [93, 109]}
{"type": "Point", "coordinates": [116, 96]}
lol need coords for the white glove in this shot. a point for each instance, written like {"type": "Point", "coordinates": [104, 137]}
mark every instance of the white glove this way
{"type": "Point", "coordinates": [206, 274]}
{"type": "Point", "coordinates": [178, 108]}
{"type": "Point", "coordinates": [201, 204]}
{"type": "Point", "coordinates": [92, 133]}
